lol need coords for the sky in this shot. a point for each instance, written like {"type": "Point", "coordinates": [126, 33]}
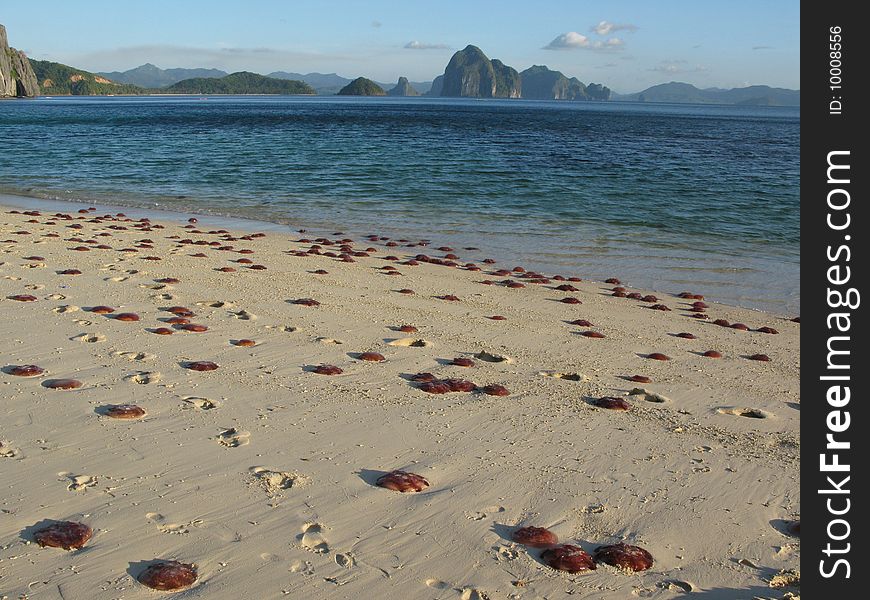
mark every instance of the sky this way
{"type": "Point", "coordinates": [627, 45]}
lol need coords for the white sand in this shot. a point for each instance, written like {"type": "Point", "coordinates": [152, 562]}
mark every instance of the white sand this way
{"type": "Point", "coordinates": [285, 506]}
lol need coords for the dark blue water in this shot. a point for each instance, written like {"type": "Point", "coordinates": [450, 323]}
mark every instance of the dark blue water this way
{"type": "Point", "coordinates": [667, 197]}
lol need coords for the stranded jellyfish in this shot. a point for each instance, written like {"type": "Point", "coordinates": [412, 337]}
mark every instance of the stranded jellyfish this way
{"type": "Point", "coordinates": [497, 318]}
{"type": "Point", "coordinates": [535, 537]}
{"type": "Point", "coordinates": [371, 357]}
{"type": "Point", "coordinates": [462, 362]}
{"type": "Point", "coordinates": [62, 384]}
{"type": "Point", "coordinates": [102, 310]}
{"type": "Point", "coordinates": [402, 481]}
{"type": "Point", "coordinates": [125, 411]}
{"type": "Point", "coordinates": [167, 576]}
{"type": "Point", "coordinates": [246, 343]}
{"type": "Point", "coordinates": [127, 317]}
{"type": "Point", "coordinates": [306, 302]}
{"type": "Point", "coordinates": [612, 403]}
{"type": "Point", "coordinates": [761, 357]}
{"type": "Point", "coordinates": [423, 377]}
{"type": "Point", "coordinates": [640, 379]}
{"type": "Point", "coordinates": [26, 370]}
{"type": "Point", "coordinates": [592, 334]}
{"type": "Point", "coordinates": [612, 280]}
{"type": "Point", "coordinates": [713, 354]}
{"type": "Point", "coordinates": [740, 326]}
{"type": "Point", "coordinates": [23, 298]}
{"type": "Point", "coordinates": [449, 298]}
{"type": "Point", "coordinates": [721, 323]}
{"type": "Point", "coordinates": [570, 300]}
{"type": "Point", "coordinates": [566, 557]}
{"type": "Point", "coordinates": [581, 323]}
{"type": "Point", "coordinates": [408, 329]}
{"type": "Point", "coordinates": [625, 556]}
{"type": "Point", "coordinates": [658, 356]}
{"type": "Point", "coordinates": [162, 331]}
{"type": "Point", "coordinates": [494, 389]}
{"type": "Point", "coordinates": [766, 330]}
{"type": "Point", "coordinates": [200, 365]}
{"type": "Point", "coordinates": [193, 327]}
{"type": "Point", "coordinates": [68, 535]}
{"type": "Point", "coordinates": [686, 336]}
{"type": "Point", "coordinates": [406, 291]}
{"type": "Point", "coordinates": [327, 370]}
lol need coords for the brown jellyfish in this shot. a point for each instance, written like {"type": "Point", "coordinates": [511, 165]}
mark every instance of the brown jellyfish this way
{"type": "Point", "coordinates": [162, 331]}
{"type": "Point", "coordinates": [423, 377]}
{"type": "Point", "coordinates": [624, 556]}
{"type": "Point", "coordinates": [686, 336]}
{"type": "Point", "coordinates": [581, 323]}
{"type": "Point", "coordinates": [712, 354]}
{"type": "Point", "coordinates": [612, 403]}
{"type": "Point", "coordinates": [408, 329]}
{"type": "Point", "coordinates": [640, 379]}
{"type": "Point", "coordinates": [566, 557]}
{"type": "Point", "coordinates": [126, 317]}
{"type": "Point", "coordinates": [23, 298]}
{"type": "Point", "coordinates": [721, 323]}
{"type": "Point", "coordinates": [62, 384]}
{"type": "Point", "coordinates": [462, 362]}
{"type": "Point", "coordinates": [125, 411]}
{"type": "Point", "coordinates": [200, 365]}
{"type": "Point", "coordinates": [592, 334]}
{"type": "Point", "coordinates": [570, 300]}
{"type": "Point", "coordinates": [371, 357]}
{"type": "Point", "coordinates": [327, 370]}
{"type": "Point", "coordinates": [102, 310]}
{"type": "Point", "coordinates": [494, 389]}
{"type": "Point", "coordinates": [497, 318]}
{"type": "Point", "coordinates": [306, 302]}
{"type": "Point", "coordinates": [167, 576]}
{"type": "Point", "coordinates": [658, 356]}
{"type": "Point", "coordinates": [25, 370]}
{"type": "Point", "coordinates": [435, 387]}
{"type": "Point", "coordinates": [535, 537]}
{"type": "Point", "coordinates": [246, 343]}
{"type": "Point", "coordinates": [739, 326]}
{"type": "Point", "coordinates": [68, 535]}
{"type": "Point", "coordinates": [402, 481]}
{"type": "Point", "coordinates": [193, 327]}
{"type": "Point", "coordinates": [761, 357]}
{"type": "Point", "coordinates": [766, 329]}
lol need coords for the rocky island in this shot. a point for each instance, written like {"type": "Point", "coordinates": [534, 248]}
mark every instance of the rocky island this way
{"type": "Point", "coordinates": [17, 78]}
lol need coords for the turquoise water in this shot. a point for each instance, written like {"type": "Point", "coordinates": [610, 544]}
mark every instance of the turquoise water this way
{"type": "Point", "coordinates": [668, 197]}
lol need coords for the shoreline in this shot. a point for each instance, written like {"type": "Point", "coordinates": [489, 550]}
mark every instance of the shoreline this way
{"type": "Point", "coordinates": [252, 224]}
{"type": "Point", "coordinates": [262, 471]}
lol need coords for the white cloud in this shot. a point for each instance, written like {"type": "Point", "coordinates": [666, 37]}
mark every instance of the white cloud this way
{"type": "Point", "coordinates": [573, 40]}
{"type": "Point", "coordinates": [415, 45]}
{"type": "Point", "coordinates": [606, 27]}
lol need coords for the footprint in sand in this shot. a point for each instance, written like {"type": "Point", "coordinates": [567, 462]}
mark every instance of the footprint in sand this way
{"type": "Point", "coordinates": [567, 376]}
{"type": "Point", "coordinates": [144, 377]}
{"type": "Point", "coordinates": [233, 438]}
{"type": "Point", "coordinates": [244, 315]}
{"type": "Point", "coordinates": [437, 584]}
{"type": "Point", "coordinates": [89, 338]}
{"type": "Point", "coordinates": [743, 411]}
{"type": "Point", "coordinates": [326, 340]}
{"type": "Point", "coordinates": [135, 356]}
{"type": "Point", "coordinates": [473, 594]}
{"type": "Point", "coordinates": [214, 304]}
{"type": "Point", "coordinates": [410, 343]}
{"type": "Point", "coordinates": [345, 560]}
{"type": "Point", "coordinates": [493, 358]}
{"type": "Point", "coordinates": [117, 279]}
{"type": "Point", "coordinates": [163, 297]}
{"type": "Point", "coordinates": [78, 483]}
{"type": "Point", "coordinates": [284, 328]}
{"type": "Point", "coordinates": [7, 451]}
{"type": "Point", "coordinates": [11, 278]}
{"type": "Point", "coordinates": [55, 297]}
{"type": "Point", "coordinates": [649, 396]}
{"type": "Point", "coordinates": [675, 585]}
{"type": "Point", "coordinates": [153, 286]}
{"type": "Point", "coordinates": [312, 538]}
{"type": "Point", "coordinates": [34, 286]}
{"type": "Point", "coordinates": [66, 308]}
{"type": "Point", "coordinates": [200, 403]}
{"type": "Point", "coordinates": [275, 482]}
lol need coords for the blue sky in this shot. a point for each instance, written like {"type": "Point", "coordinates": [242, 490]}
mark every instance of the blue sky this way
{"type": "Point", "coordinates": [626, 45]}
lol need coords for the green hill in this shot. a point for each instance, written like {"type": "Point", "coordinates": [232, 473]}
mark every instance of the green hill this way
{"type": "Point", "coordinates": [242, 82]}
{"type": "Point", "coordinates": [362, 87]}
{"type": "Point", "coordinates": [685, 93]}
{"type": "Point", "coordinates": [57, 79]}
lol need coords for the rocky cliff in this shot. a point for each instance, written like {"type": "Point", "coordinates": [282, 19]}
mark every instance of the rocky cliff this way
{"type": "Point", "coordinates": [541, 83]}
{"type": "Point", "coordinates": [403, 88]}
{"type": "Point", "coordinates": [16, 75]}
{"type": "Point", "coordinates": [470, 73]}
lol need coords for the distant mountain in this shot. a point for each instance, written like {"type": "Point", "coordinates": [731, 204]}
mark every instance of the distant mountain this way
{"type": "Point", "coordinates": [57, 79]}
{"type": "Point", "coordinates": [403, 88]}
{"type": "Point", "coordinates": [470, 73]}
{"type": "Point", "coordinates": [362, 87]}
{"type": "Point", "coordinates": [684, 93]}
{"type": "Point", "coordinates": [541, 83]}
{"type": "Point", "coordinates": [323, 83]}
{"type": "Point", "coordinates": [437, 86]}
{"type": "Point", "coordinates": [150, 76]}
{"type": "Point", "coordinates": [242, 82]}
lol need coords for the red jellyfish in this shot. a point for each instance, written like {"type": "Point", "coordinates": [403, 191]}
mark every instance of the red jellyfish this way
{"type": "Point", "coordinates": [624, 556]}
{"type": "Point", "coordinates": [572, 559]}
{"type": "Point", "coordinates": [535, 537]}
{"type": "Point", "coordinates": [402, 481]}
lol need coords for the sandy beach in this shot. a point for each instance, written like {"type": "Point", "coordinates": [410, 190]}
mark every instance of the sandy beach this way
{"type": "Point", "coordinates": [263, 472]}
